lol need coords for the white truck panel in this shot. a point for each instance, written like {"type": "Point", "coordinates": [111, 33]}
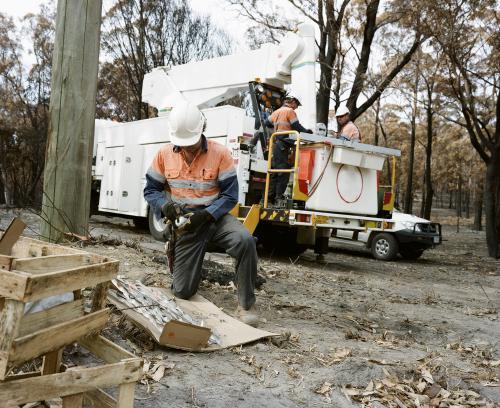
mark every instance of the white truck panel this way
{"type": "Point", "coordinates": [124, 152]}
{"type": "Point", "coordinates": [344, 188]}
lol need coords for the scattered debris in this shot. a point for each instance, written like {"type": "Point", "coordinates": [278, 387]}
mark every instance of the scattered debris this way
{"type": "Point", "coordinates": [421, 390]}
{"type": "Point", "coordinates": [325, 390]}
{"type": "Point", "coordinates": [156, 368]}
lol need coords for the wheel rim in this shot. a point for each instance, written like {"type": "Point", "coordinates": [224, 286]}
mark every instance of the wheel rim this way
{"type": "Point", "coordinates": [382, 247]}
{"type": "Point", "coordinates": [158, 223]}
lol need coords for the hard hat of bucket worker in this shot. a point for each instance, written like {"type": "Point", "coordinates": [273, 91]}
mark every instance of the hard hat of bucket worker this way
{"type": "Point", "coordinates": [291, 98]}
{"type": "Point", "coordinates": [187, 123]}
{"type": "Point", "coordinates": [342, 110]}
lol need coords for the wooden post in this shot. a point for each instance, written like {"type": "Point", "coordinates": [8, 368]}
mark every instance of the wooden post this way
{"type": "Point", "coordinates": [68, 163]}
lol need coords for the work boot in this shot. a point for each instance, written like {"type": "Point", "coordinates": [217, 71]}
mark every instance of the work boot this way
{"type": "Point", "coordinates": [249, 316]}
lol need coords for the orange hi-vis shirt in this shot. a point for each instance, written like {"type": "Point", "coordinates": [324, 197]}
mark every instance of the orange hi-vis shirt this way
{"type": "Point", "coordinates": [208, 182]}
{"type": "Point", "coordinates": [283, 118]}
{"type": "Point", "coordinates": [351, 132]}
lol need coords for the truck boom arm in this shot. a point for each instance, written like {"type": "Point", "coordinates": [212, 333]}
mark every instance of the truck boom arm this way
{"type": "Point", "coordinates": [209, 82]}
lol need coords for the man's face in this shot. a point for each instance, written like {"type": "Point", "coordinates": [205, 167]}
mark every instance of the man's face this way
{"type": "Point", "coordinates": [342, 120]}
{"type": "Point", "coordinates": [294, 105]}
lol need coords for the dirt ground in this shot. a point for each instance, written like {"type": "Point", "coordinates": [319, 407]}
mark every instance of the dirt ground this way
{"type": "Point", "coordinates": [354, 331]}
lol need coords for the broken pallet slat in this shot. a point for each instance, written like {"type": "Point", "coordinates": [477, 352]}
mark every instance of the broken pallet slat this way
{"type": "Point", "coordinates": [58, 314]}
{"type": "Point", "coordinates": [99, 398]}
{"type": "Point", "coordinates": [10, 319]}
{"type": "Point", "coordinates": [126, 395]}
{"type": "Point", "coordinates": [53, 263]}
{"type": "Point", "coordinates": [26, 287]}
{"type": "Point", "coordinates": [52, 362]}
{"type": "Point", "coordinates": [55, 337]}
{"type": "Point", "coordinates": [13, 284]}
{"type": "Point", "coordinates": [73, 381]}
{"type": "Point", "coordinates": [30, 248]}
{"type": "Point", "coordinates": [11, 235]}
{"type": "Point", "coordinates": [6, 262]}
{"type": "Point", "coordinates": [105, 349]}
{"type": "Point", "coordinates": [53, 283]}
{"type": "Point", "coordinates": [72, 401]}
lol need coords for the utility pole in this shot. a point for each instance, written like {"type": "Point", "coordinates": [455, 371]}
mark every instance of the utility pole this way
{"type": "Point", "coordinates": [68, 161]}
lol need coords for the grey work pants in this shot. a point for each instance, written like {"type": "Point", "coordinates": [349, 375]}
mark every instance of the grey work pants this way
{"type": "Point", "coordinates": [229, 234]}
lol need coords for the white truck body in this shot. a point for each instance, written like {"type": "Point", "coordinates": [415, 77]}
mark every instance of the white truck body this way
{"type": "Point", "coordinates": [346, 197]}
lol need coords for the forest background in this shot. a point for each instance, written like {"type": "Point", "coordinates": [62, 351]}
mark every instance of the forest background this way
{"type": "Point", "coordinates": [419, 76]}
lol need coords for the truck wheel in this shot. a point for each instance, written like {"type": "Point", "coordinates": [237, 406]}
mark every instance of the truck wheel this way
{"type": "Point", "coordinates": [156, 226]}
{"type": "Point", "coordinates": [384, 247]}
{"type": "Point", "coordinates": [410, 253]}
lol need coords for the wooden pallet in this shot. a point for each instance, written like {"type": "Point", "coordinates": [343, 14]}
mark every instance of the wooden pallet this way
{"type": "Point", "coordinates": [77, 384]}
{"type": "Point", "coordinates": [32, 270]}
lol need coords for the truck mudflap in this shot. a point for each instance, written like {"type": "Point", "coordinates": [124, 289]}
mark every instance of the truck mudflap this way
{"type": "Point", "coordinates": [423, 235]}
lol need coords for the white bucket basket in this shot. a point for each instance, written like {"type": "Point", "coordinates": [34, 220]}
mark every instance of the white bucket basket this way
{"type": "Point", "coordinates": [349, 184]}
{"type": "Point", "coordinates": [352, 157]}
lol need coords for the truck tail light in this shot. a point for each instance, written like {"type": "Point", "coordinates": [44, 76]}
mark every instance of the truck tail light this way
{"type": "Point", "coordinates": [387, 197]}
{"type": "Point", "coordinates": [303, 217]}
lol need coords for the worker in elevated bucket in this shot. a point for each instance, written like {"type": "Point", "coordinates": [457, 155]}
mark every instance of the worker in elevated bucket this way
{"type": "Point", "coordinates": [283, 119]}
{"type": "Point", "coordinates": [195, 175]}
{"type": "Point", "coordinates": [348, 130]}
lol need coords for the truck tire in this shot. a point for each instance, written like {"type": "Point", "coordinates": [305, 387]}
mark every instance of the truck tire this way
{"type": "Point", "coordinates": [384, 246]}
{"type": "Point", "coordinates": [156, 226]}
{"type": "Point", "coordinates": [410, 253]}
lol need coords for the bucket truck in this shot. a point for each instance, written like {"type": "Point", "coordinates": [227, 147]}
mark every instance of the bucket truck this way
{"type": "Point", "coordinates": [334, 188]}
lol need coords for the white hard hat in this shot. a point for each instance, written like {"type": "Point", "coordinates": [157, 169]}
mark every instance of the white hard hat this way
{"type": "Point", "coordinates": [186, 124]}
{"type": "Point", "coordinates": [342, 110]}
{"type": "Point", "coordinates": [293, 98]}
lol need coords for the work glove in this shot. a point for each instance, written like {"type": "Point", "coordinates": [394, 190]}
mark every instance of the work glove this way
{"type": "Point", "coordinates": [171, 211]}
{"type": "Point", "coordinates": [198, 220]}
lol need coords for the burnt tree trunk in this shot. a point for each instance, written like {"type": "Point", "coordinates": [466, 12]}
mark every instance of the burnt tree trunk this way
{"type": "Point", "coordinates": [458, 199]}
{"type": "Point", "coordinates": [328, 51]}
{"type": "Point", "coordinates": [377, 122]}
{"type": "Point", "coordinates": [467, 203]}
{"type": "Point", "coordinates": [429, 192]}
{"type": "Point", "coordinates": [408, 206]}
{"type": "Point", "coordinates": [478, 207]}
{"type": "Point", "coordinates": [492, 204]}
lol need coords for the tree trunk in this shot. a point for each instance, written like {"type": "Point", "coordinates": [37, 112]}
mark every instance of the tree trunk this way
{"type": "Point", "coordinates": [429, 192]}
{"type": "Point", "coordinates": [377, 121]}
{"type": "Point", "coordinates": [411, 157]}
{"type": "Point", "coordinates": [411, 154]}
{"type": "Point", "coordinates": [478, 206]}
{"type": "Point", "coordinates": [458, 199]}
{"type": "Point", "coordinates": [467, 203]}
{"type": "Point", "coordinates": [492, 204]}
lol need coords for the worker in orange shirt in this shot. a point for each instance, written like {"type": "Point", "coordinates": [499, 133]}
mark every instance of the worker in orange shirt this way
{"type": "Point", "coordinates": [194, 177]}
{"type": "Point", "coordinates": [347, 129]}
{"type": "Point", "coordinates": [283, 119]}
